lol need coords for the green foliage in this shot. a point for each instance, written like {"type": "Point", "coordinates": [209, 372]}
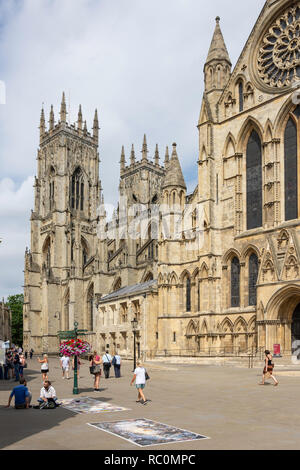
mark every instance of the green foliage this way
{"type": "Point", "coordinates": [15, 303]}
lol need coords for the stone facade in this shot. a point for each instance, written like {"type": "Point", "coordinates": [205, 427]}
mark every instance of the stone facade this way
{"type": "Point", "coordinates": [5, 322]}
{"type": "Point", "coordinates": [227, 279]}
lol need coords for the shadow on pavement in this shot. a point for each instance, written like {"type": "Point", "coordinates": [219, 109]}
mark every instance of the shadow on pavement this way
{"type": "Point", "coordinates": [16, 425]}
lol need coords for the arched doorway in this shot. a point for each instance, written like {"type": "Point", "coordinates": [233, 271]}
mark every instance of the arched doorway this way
{"type": "Point", "coordinates": [296, 329]}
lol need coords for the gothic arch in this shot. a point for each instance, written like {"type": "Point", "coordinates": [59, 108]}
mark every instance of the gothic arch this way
{"type": "Point", "coordinates": [90, 306]}
{"type": "Point", "coordinates": [204, 271]}
{"type": "Point", "coordinates": [283, 116]}
{"type": "Point", "coordinates": [230, 143]}
{"type": "Point", "coordinates": [226, 323]}
{"type": "Point", "coordinates": [192, 328]}
{"type": "Point", "coordinates": [195, 274]}
{"type": "Point", "coordinates": [268, 131]}
{"type": "Point", "coordinates": [249, 125]}
{"type": "Point", "coordinates": [283, 303]}
{"type": "Point", "coordinates": [248, 250]}
{"type": "Point", "coordinates": [230, 254]}
{"type": "Point", "coordinates": [252, 325]}
{"type": "Point", "coordinates": [185, 274]}
{"type": "Point", "coordinates": [240, 321]}
{"type": "Point", "coordinates": [204, 327]}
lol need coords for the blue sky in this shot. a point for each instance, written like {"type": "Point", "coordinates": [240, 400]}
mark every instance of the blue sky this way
{"type": "Point", "coordinates": [139, 62]}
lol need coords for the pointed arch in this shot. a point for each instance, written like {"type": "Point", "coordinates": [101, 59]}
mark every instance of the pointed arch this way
{"type": "Point", "coordinates": [231, 253]}
{"type": "Point", "coordinates": [226, 326]}
{"type": "Point", "coordinates": [252, 325]}
{"type": "Point", "coordinates": [248, 250]}
{"type": "Point", "coordinates": [248, 126]}
{"type": "Point", "coordinates": [291, 157]}
{"type": "Point", "coordinates": [90, 306]}
{"type": "Point", "coordinates": [77, 189]}
{"type": "Point", "coordinates": [240, 321]}
{"type": "Point", "coordinates": [203, 271]}
{"type": "Point", "coordinates": [204, 327]}
{"type": "Point", "coordinates": [230, 146]}
{"type": "Point", "coordinates": [268, 131]}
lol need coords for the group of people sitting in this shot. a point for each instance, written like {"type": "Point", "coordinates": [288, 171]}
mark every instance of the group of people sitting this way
{"type": "Point", "coordinates": [23, 396]}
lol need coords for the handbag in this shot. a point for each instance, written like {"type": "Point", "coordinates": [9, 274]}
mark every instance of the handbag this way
{"type": "Point", "coordinates": [147, 376]}
{"type": "Point", "coordinates": [92, 369]}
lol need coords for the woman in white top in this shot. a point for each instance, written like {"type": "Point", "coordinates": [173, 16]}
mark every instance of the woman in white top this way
{"type": "Point", "coordinates": [140, 382]}
{"type": "Point", "coordinates": [44, 366]}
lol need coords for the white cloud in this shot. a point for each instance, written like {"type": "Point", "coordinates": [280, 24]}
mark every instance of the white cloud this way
{"type": "Point", "coordinates": [139, 62]}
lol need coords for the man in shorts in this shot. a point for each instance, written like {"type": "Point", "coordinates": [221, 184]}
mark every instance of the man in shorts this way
{"type": "Point", "coordinates": [65, 365]}
{"type": "Point", "coordinates": [140, 382]}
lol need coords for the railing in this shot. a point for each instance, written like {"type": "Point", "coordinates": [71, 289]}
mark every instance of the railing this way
{"type": "Point", "coordinates": [215, 352]}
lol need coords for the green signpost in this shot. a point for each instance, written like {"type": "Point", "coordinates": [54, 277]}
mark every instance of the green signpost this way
{"type": "Point", "coordinates": [73, 334]}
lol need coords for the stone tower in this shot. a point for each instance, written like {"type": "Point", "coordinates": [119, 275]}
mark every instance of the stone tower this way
{"type": "Point", "coordinates": [134, 242]}
{"type": "Point", "coordinates": [63, 231]}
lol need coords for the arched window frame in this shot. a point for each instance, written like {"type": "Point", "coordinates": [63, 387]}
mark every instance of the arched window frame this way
{"type": "Point", "coordinates": [235, 283]}
{"type": "Point", "coordinates": [254, 181]}
{"type": "Point", "coordinates": [253, 266]}
{"type": "Point", "coordinates": [292, 165]}
{"type": "Point", "coordinates": [77, 190]}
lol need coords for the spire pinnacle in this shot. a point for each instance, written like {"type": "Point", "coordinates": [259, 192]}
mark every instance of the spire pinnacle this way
{"type": "Point", "coordinates": [42, 123]}
{"type": "Point", "coordinates": [156, 156]}
{"type": "Point", "coordinates": [79, 119]}
{"type": "Point", "coordinates": [167, 157]}
{"type": "Point", "coordinates": [145, 149]}
{"type": "Point", "coordinates": [173, 176]}
{"type": "Point", "coordinates": [85, 128]}
{"type": "Point", "coordinates": [63, 109]}
{"type": "Point", "coordinates": [132, 155]}
{"type": "Point", "coordinates": [96, 126]}
{"type": "Point", "coordinates": [218, 50]}
{"type": "Point", "coordinates": [51, 119]}
{"type": "Point", "coordinates": [123, 161]}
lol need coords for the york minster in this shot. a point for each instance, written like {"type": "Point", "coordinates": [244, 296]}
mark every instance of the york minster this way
{"type": "Point", "coordinates": [238, 289]}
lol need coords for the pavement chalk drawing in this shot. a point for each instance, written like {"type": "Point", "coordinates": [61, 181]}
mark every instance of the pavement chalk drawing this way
{"type": "Point", "coordinates": [89, 405]}
{"type": "Point", "coordinates": [144, 432]}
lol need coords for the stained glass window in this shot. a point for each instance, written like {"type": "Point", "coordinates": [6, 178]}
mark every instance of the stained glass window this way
{"type": "Point", "coordinates": [290, 171]}
{"type": "Point", "coordinates": [188, 295]}
{"type": "Point", "coordinates": [254, 182]}
{"type": "Point", "coordinates": [253, 274]}
{"type": "Point", "coordinates": [235, 282]}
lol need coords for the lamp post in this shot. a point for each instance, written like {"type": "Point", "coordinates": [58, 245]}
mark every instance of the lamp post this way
{"type": "Point", "coordinates": [134, 324]}
{"type": "Point", "coordinates": [73, 334]}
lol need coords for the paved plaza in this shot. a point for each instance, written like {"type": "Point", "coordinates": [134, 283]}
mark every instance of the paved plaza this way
{"type": "Point", "coordinates": [221, 402]}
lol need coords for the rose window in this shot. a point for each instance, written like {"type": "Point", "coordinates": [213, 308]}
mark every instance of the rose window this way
{"type": "Point", "coordinates": [279, 53]}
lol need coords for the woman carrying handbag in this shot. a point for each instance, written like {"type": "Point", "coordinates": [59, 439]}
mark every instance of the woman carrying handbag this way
{"type": "Point", "coordinates": [95, 369]}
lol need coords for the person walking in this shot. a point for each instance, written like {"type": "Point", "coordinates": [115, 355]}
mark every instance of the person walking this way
{"type": "Point", "coordinates": [65, 365]}
{"type": "Point", "coordinates": [22, 365]}
{"type": "Point", "coordinates": [26, 355]}
{"type": "Point", "coordinates": [268, 369]}
{"type": "Point", "coordinates": [140, 382]}
{"type": "Point", "coordinates": [21, 394]}
{"type": "Point", "coordinates": [16, 362]}
{"type": "Point", "coordinates": [31, 353]}
{"type": "Point", "coordinates": [95, 368]}
{"type": "Point", "coordinates": [106, 359]}
{"type": "Point", "coordinates": [116, 362]}
{"type": "Point", "coordinates": [44, 366]}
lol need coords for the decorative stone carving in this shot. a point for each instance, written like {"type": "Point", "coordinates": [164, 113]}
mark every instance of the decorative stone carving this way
{"type": "Point", "coordinates": [278, 57]}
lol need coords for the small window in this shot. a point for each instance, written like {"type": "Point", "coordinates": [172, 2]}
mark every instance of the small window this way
{"type": "Point", "coordinates": [174, 337]}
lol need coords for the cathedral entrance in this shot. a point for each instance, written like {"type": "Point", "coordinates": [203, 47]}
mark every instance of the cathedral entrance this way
{"type": "Point", "coordinates": [296, 329]}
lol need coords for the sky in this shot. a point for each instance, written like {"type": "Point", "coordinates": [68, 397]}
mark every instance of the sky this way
{"type": "Point", "coordinates": [140, 63]}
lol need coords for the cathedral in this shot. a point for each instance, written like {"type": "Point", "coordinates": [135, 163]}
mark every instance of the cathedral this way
{"type": "Point", "coordinates": [215, 272]}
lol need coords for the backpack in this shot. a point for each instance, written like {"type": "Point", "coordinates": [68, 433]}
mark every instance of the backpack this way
{"type": "Point", "coordinates": [114, 361]}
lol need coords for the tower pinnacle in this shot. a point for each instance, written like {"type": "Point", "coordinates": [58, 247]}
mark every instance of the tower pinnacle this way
{"type": "Point", "coordinates": [63, 109]}
{"type": "Point", "coordinates": [145, 149]}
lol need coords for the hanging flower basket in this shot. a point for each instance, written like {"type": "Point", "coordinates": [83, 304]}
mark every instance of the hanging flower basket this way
{"type": "Point", "coordinates": [74, 347]}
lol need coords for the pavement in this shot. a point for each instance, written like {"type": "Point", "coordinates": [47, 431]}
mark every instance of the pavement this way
{"type": "Point", "coordinates": [220, 402]}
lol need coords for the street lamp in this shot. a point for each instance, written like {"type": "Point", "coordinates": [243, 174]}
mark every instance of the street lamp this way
{"type": "Point", "coordinates": [134, 324]}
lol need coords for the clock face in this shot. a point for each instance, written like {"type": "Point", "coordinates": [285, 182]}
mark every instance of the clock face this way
{"type": "Point", "coordinates": [278, 55]}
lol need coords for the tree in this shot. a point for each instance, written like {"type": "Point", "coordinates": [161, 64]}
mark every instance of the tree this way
{"type": "Point", "coordinates": [15, 303]}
